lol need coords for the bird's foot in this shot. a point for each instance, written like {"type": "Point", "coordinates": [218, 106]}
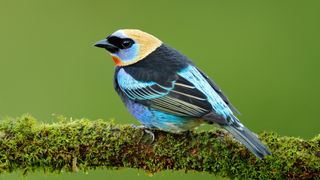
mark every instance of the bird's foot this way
{"type": "Point", "coordinates": [146, 131]}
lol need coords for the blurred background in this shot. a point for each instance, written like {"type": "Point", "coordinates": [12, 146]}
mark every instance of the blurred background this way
{"type": "Point", "coordinates": [265, 55]}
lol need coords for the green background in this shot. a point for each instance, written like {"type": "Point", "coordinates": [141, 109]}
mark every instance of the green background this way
{"type": "Point", "coordinates": [265, 55]}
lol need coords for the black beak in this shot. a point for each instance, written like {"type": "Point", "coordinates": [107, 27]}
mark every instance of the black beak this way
{"type": "Point", "coordinates": [106, 45]}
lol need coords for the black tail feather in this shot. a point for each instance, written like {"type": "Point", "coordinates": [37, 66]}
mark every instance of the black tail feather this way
{"type": "Point", "coordinates": [248, 139]}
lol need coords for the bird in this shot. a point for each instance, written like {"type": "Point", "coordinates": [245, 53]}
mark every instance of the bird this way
{"type": "Point", "coordinates": [163, 89]}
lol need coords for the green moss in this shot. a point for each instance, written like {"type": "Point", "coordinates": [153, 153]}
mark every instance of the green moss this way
{"type": "Point", "coordinates": [72, 145]}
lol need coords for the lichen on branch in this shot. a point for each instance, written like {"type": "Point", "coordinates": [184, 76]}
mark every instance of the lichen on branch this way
{"type": "Point", "coordinates": [72, 145]}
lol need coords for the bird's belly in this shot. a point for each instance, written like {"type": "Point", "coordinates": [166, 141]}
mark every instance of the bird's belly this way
{"type": "Point", "coordinates": [152, 118]}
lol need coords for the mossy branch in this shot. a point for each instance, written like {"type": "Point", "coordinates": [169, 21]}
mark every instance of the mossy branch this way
{"type": "Point", "coordinates": [73, 145]}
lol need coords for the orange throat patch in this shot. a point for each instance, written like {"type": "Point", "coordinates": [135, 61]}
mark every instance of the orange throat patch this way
{"type": "Point", "coordinates": [117, 60]}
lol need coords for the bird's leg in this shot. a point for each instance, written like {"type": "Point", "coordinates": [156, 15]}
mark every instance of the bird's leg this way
{"type": "Point", "coordinates": [189, 137]}
{"type": "Point", "coordinates": [188, 134]}
{"type": "Point", "coordinates": [145, 130]}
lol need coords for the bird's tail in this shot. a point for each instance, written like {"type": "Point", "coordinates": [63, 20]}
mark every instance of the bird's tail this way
{"type": "Point", "coordinates": [247, 138]}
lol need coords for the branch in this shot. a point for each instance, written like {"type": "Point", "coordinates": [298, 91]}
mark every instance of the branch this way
{"type": "Point", "coordinates": [73, 145]}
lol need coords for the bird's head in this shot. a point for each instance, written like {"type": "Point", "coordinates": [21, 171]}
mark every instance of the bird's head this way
{"type": "Point", "coordinates": [128, 46]}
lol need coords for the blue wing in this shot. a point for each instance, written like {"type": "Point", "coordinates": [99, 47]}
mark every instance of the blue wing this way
{"type": "Point", "coordinates": [219, 91]}
{"type": "Point", "coordinates": [221, 111]}
{"type": "Point", "coordinates": [177, 97]}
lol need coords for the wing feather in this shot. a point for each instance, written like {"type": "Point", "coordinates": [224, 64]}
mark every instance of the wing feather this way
{"type": "Point", "coordinates": [178, 97]}
{"type": "Point", "coordinates": [219, 91]}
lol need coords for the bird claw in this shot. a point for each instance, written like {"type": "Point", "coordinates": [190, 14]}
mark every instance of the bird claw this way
{"type": "Point", "coordinates": [145, 130]}
{"type": "Point", "coordinates": [151, 134]}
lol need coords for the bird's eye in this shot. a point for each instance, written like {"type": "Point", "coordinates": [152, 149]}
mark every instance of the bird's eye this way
{"type": "Point", "coordinates": [126, 44]}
